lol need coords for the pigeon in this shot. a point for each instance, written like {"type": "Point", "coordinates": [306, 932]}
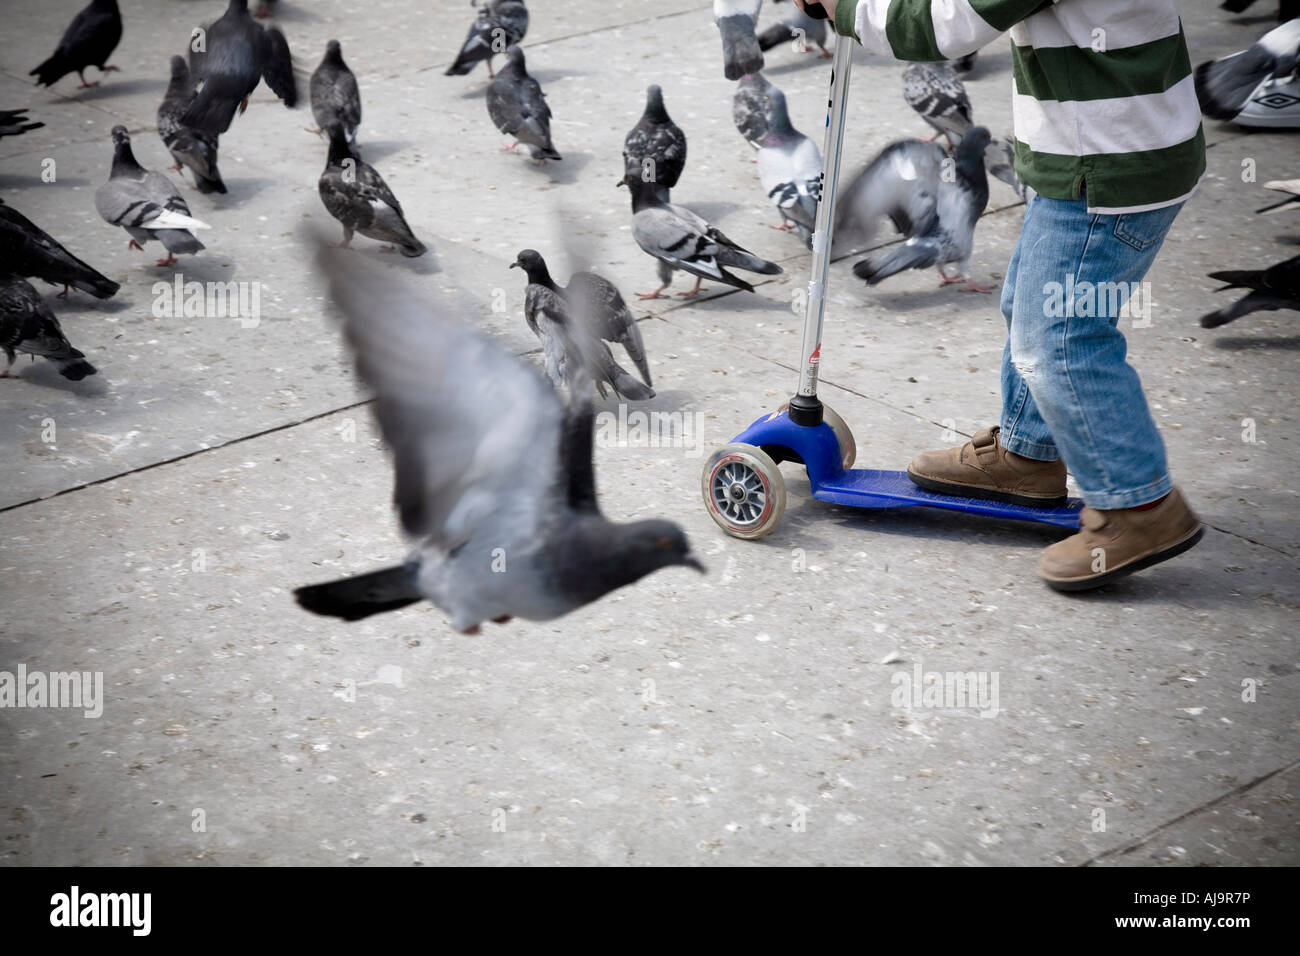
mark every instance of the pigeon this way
{"type": "Point", "coordinates": [499, 24]}
{"type": "Point", "coordinates": [145, 203]}
{"type": "Point", "coordinates": [1292, 202]}
{"type": "Point", "coordinates": [14, 123]}
{"type": "Point", "coordinates": [1274, 288]}
{"type": "Point", "coordinates": [679, 239]}
{"type": "Point", "coordinates": [751, 107]}
{"type": "Point", "coordinates": [1224, 86]}
{"type": "Point", "coordinates": [90, 40]}
{"type": "Point", "coordinates": [1286, 9]}
{"type": "Point", "coordinates": [238, 53]}
{"type": "Point", "coordinates": [335, 99]}
{"type": "Point", "coordinates": [655, 148]}
{"type": "Point", "coordinates": [26, 251]}
{"type": "Point", "coordinates": [1000, 162]}
{"type": "Point", "coordinates": [568, 329]}
{"type": "Point", "coordinates": [358, 197]}
{"type": "Point", "coordinates": [796, 26]}
{"type": "Point", "coordinates": [494, 473]}
{"type": "Point", "coordinates": [934, 91]}
{"type": "Point", "coordinates": [740, 50]}
{"type": "Point", "coordinates": [28, 325]}
{"type": "Point", "coordinates": [598, 300]}
{"type": "Point", "coordinates": [965, 64]}
{"type": "Point", "coordinates": [933, 200]}
{"type": "Point", "coordinates": [190, 148]}
{"type": "Point", "coordinates": [517, 105]}
{"type": "Point", "coordinates": [790, 169]}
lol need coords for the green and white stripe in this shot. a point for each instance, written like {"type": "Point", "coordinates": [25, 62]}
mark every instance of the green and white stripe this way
{"type": "Point", "coordinates": [1103, 93]}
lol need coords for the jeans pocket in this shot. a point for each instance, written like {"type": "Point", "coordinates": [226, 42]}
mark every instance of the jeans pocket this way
{"type": "Point", "coordinates": [1142, 230]}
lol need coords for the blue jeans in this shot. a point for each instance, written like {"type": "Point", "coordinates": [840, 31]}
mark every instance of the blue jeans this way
{"type": "Point", "coordinates": [1067, 391]}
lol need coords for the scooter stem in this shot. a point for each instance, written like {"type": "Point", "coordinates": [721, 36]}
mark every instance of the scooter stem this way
{"type": "Point", "coordinates": [805, 407]}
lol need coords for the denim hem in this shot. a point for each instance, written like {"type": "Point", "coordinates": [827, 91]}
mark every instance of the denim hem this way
{"type": "Point", "coordinates": [1115, 500]}
{"type": "Point", "coordinates": [1027, 449]}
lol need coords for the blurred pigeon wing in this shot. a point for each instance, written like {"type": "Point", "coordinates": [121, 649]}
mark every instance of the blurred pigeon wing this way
{"type": "Point", "coordinates": [277, 67]}
{"type": "Point", "coordinates": [901, 183]}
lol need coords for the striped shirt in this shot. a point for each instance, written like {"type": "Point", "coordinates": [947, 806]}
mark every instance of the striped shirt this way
{"type": "Point", "coordinates": [1102, 90]}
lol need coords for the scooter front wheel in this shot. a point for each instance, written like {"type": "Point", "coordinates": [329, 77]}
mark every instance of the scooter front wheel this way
{"type": "Point", "coordinates": [744, 491]}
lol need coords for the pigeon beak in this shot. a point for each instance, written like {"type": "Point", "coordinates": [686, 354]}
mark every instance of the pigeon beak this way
{"type": "Point", "coordinates": [691, 561]}
{"type": "Point", "coordinates": [514, 265]}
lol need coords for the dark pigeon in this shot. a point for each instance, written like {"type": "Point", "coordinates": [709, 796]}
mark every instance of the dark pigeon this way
{"type": "Point", "coordinates": [358, 197]}
{"type": "Point", "coordinates": [335, 99]}
{"type": "Point", "coordinates": [655, 148]}
{"type": "Point", "coordinates": [736, 21]}
{"type": "Point", "coordinates": [15, 123]}
{"type": "Point", "coordinates": [498, 24]}
{"type": "Point", "coordinates": [751, 107]}
{"type": "Point", "coordinates": [932, 200]}
{"type": "Point", "coordinates": [27, 251]}
{"type": "Point", "coordinates": [494, 475]}
{"type": "Point", "coordinates": [90, 40]}
{"type": "Point", "coordinates": [679, 239]}
{"type": "Point", "coordinates": [192, 149]}
{"type": "Point", "coordinates": [146, 204]}
{"type": "Point", "coordinates": [28, 325]}
{"type": "Point", "coordinates": [239, 53]}
{"type": "Point", "coordinates": [517, 105]}
{"type": "Point", "coordinates": [571, 333]}
{"type": "Point", "coordinates": [1277, 287]}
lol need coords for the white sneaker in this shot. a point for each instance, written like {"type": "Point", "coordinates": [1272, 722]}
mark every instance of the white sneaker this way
{"type": "Point", "coordinates": [1275, 103]}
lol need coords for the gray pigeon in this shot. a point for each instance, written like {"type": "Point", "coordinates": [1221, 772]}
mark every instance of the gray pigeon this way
{"type": "Point", "coordinates": [498, 24]}
{"type": "Point", "coordinates": [1224, 86]}
{"type": "Point", "coordinates": [936, 92]}
{"type": "Point", "coordinates": [790, 169]}
{"type": "Point", "coordinates": [494, 476]}
{"type": "Point", "coordinates": [1277, 287]}
{"type": "Point", "coordinates": [740, 50]}
{"type": "Point", "coordinates": [1000, 161]}
{"type": "Point", "coordinates": [679, 239]}
{"type": "Point", "coordinates": [1292, 201]}
{"type": "Point", "coordinates": [15, 123]}
{"type": "Point", "coordinates": [28, 325]}
{"type": "Point", "coordinates": [237, 54]}
{"type": "Point", "coordinates": [358, 197]}
{"type": "Point", "coordinates": [933, 200]}
{"type": "Point", "coordinates": [655, 148]}
{"type": "Point", "coordinates": [90, 40]}
{"type": "Point", "coordinates": [191, 148]}
{"type": "Point", "coordinates": [569, 334]}
{"type": "Point", "coordinates": [598, 299]}
{"type": "Point", "coordinates": [517, 105]}
{"type": "Point", "coordinates": [145, 203]}
{"type": "Point", "coordinates": [751, 107]}
{"type": "Point", "coordinates": [27, 251]}
{"type": "Point", "coordinates": [335, 99]}
{"type": "Point", "coordinates": [796, 27]}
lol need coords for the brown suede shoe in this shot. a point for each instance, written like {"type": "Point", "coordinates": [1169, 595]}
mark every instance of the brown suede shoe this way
{"type": "Point", "coordinates": [1111, 544]}
{"type": "Point", "coordinates": [982, 468]}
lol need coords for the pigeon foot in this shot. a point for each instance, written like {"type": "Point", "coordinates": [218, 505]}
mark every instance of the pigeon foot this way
{"type": "Point", "coordinates": [973, 286]}
{"type": "Point", "coordinates": [134, 245]}
{"type": "Point", "coordinates": [784, 227]}
{"type": "Point", "coordinates": [169, 261]}
{"type": "Point", "coordinates": [656, 294]}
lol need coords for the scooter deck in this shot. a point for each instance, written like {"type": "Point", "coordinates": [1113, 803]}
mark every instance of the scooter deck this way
{"type": "Point", "coordinates": [871, 488]}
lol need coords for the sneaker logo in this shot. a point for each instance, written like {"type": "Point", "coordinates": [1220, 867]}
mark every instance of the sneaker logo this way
{"type": "Point", "coordinates": [1277, 101]}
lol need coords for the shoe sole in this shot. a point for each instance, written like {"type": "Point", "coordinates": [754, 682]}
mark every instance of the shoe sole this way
{"type": "Point", "coordinates": [1100, 580]}
{"type": "Point", "coordinates": [988, 494]}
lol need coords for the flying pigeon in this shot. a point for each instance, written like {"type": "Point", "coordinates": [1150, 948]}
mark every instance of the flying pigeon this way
{"type": "Point", "coordinates": [358, 197]}
{"type": "Point", "coordinates": [935, 91]}
{"type": "Point", "coordinates": [655, 148]}
{"type": "Point", "coordinates": [1225, 86]}
{"type": "Point", "coordinates": [238, 53]}
{"type": "Point", "coordinates": [569, 334]}
{"type": "Point", "coordinates": [1277, 287]}
{"type": "Point", "coordinates": [679, 239]}
{"type": "Point", "coordinates": [796, 26]}
{"type": "Point", "coordinates": [497, 25]}
{"type": "Point", "coordinates": [15, 123]}
{"type": "Point", "coordinates": [494, 475]}
{"type": "Point", "coordinates": [335, 99]}
{"type": "Point", "coordinates": [190, 148]}
{"type": "Point", "coordinates": [751, 107]}
{"type": "Point", "coordinates": [517, 105]}
{"type": "Point", "coordinates": [740, 50]}
{"type": "Point", "coordinates": [932, 200]}
{"type": "Point", "coordinates": [90, 40]}
{"type": "Point", "coordinates": [145, 203]}
{"type": "Point", "coordinates": [790, 169]}
{"type": "Point", "coordinates": [598, 300]}
{"type": "Point", "coordinates": [27, 251]}
{"type": "Point", "coordinates": [1292, 202]}
{"type": "Point", "coordinates": [28, 325]}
